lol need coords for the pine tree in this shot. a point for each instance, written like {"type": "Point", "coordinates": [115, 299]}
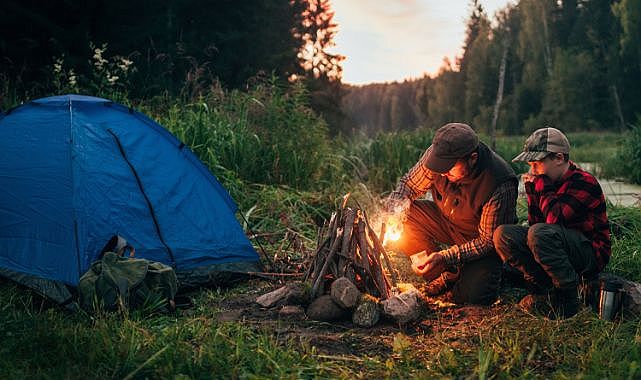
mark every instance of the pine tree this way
{"type": "Point", "coordinates": [322, 69]}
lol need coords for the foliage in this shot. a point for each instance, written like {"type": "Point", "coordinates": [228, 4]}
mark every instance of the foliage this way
{"type": "Point", "coordinates": [631, 154]}
{"type": "Point", "coordinates": [317, 34]}
{"type": "Point", "coordinates": [265, 135]}
{"type": "Point", "coordinates": [382, 160]}
{"type": "Point", "coordinates": [377, 107]}
{"type": "Point", "coordinates": [322, 70]}
{"type": "Point", "coordinates": [172, 43]}
{"type": "Point", "coordinates": [573, 65]}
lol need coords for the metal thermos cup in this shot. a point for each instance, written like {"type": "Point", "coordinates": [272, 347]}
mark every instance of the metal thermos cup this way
{"type": "Point", "coordinates": [610, 299]}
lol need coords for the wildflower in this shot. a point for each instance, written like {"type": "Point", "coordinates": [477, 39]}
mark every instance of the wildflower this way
{"type": "Point", "coordinates": [73, 80]}
{"type": "Point", "coordinates": [99, 61]}
{"type": "Point", "coordinates": [124, 64]}
{"type": "Point", "coordinates": [112, 79]}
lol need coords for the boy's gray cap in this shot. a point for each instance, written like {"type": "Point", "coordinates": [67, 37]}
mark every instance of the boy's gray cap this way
{"type": "Point", "coordinates": [543, 142]}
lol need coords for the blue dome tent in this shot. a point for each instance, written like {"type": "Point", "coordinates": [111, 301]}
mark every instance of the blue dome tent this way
{"type": "Point", "coordinates": [76, 170]}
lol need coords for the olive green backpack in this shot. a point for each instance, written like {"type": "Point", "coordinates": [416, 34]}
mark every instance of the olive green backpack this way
{"type": "Point", "coordinates": [117, 282]}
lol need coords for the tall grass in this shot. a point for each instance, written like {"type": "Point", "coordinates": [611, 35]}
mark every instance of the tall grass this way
{"type": "Point", "coordinates": [49, 344]}
{"type": "Point", "coordinates": [630, 155]}
{"type": "Point", "coordinates": [382, 160]}
{"type": "Point", "coordinates": [266, 135]}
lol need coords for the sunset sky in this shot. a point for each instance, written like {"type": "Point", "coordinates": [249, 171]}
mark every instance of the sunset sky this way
{"type": "Point", "coordinates": [391, 40]}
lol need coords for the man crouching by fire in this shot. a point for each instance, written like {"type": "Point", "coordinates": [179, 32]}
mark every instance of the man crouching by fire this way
{"type": "Point", "coordinates": [473, 191]}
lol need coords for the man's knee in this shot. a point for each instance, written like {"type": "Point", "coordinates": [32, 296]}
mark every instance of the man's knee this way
{"type": "Point", "coordinates": [479, 282]}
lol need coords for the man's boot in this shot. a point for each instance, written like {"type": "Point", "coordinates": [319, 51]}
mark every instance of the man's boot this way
{"type": "Point", "coordinates": [441, 284]}
{"type": "Point", "coordinates": [537, 304]}
{"type": "Point", "coordinates": [566, 303]}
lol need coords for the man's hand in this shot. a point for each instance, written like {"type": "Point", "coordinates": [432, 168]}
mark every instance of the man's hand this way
{"type": "Point", "coordinates": [528, 177]}
{"type": "Point", "coordinates": [397, 207]}
{"type": "Point", "coordinates": [431, 267]}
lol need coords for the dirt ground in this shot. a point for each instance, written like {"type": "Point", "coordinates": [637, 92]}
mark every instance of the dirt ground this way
{"type": "Point", "coordinates": [448, 323]}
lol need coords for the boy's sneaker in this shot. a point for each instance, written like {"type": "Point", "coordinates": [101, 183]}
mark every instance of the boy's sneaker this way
{"type": "Point", "coordinates": [567, 303]}
{"type": "Point", "coordinates": [560, 304]}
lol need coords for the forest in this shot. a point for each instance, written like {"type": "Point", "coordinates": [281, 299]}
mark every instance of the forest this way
{"type": "Point", "coordinates": [570, 63]}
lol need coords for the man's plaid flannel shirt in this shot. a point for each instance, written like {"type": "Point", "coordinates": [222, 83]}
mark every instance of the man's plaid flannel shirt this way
{"type": "Point", "coordinates": [499, 209]}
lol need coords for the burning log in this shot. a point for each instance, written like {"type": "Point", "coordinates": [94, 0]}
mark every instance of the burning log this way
{"type": "Point", "coordinates": [350, 248]}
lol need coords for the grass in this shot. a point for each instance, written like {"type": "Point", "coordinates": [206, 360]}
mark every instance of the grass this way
{"type": "Point", "coordinates": [504, 343]}
{"type": "Point", "coordinates": [44, 342]}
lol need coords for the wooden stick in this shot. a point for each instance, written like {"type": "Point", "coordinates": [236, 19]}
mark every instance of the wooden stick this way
{"type": "Point", "coordinates": [332, 224]}
{"type": "Point", "coordinates": [388, 263]}
{"type": "Point", "coordinates": [314, 259]}
{"type": "Point", "coordinates": [320, 275]}
{"type": "Point", "coordinates": [378, 275]}
{"type": "Point", "coordinates": [362, 245]}
{"type": "Point", "coordinates": [350, 216]}
{"type": "Point", "coordinates": [273, 276]}
{"type": "Point", "coordinates": [320, 258]}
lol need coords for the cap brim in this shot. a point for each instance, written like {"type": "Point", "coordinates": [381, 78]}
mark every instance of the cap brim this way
{"type": "Point", "coordinates": [530, 156]}
{"type": "Point", "coordinates": [438, 164]}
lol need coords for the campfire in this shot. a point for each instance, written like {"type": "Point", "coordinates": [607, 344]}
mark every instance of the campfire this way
{"type": "Point", "coordinates": [350, 274]}
{"type": "Point", "coordinates": [350, 248]}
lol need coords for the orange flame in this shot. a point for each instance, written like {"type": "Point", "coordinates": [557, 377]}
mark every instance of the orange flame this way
{"type": "Point", "coordinates": [394, 228]}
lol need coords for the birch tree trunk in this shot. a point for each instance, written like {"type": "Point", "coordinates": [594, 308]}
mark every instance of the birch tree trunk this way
{"type": "Point", "coordinates": [547, 54]}
{"type": "Point", "coordinates": [499, 93]}
{"type": "Point", "coordinates": [617, 104]}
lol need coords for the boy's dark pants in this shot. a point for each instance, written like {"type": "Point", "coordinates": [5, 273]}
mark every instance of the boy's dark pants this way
{"type": "Point", "coordinates": [476, 281]}
{"type": "Point", "coordinates": [549, 255]}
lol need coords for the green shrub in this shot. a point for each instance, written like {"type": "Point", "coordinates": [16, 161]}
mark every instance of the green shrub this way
{"type": "Point", "coordinates": [382, 161]}
{"type": "Point", "coordinates": [631, 155]}
{"type": "Point", "coordinates": [266, 135]}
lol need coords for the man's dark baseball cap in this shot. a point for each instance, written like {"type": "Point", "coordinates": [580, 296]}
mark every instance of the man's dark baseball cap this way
{"type": "Point", "coordinates": [543, 142]}
{"type": "Point", "coordinates": [451, 142]}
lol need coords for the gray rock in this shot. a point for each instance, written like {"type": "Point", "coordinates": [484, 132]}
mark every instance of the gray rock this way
{"type": "Point", "coordinates": [292, 312]}
{"type": "Point", "coordinates": [345, 293]}
{"type": "Point", "coordinates": [290, 294]}
{"type": "Point", "coordinates": [325, 309]}
{"type": "Point", "coordinates": [367, 313]}
{"type": "Point", "coordinates": [405, 307]}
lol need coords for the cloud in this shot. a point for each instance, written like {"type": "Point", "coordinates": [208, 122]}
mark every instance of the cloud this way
{"type": "Point", "coordinates": [397, 39]}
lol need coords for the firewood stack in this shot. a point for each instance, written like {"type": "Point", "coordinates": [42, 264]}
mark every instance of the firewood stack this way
{"type": "Point", "coordinates": [345, 278]}
{"type": "Point", "coordinates": [348, 247]}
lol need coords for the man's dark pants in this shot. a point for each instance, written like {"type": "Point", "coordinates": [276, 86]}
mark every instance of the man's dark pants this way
{"type": "Point", "coordinates": [549, 255]}
{"type": "Point", "coordinates": [476, 281]}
